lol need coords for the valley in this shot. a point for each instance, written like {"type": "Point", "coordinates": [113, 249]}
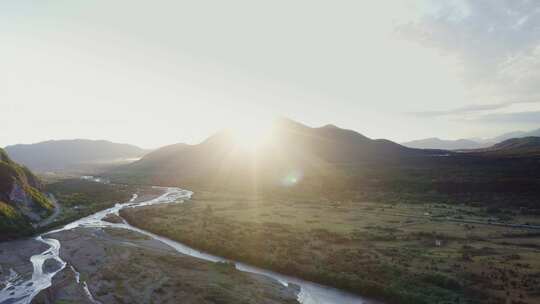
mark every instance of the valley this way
{"type": "Point", "coordinates": [320, 215]}
{"type": "Point", "coordinates": [270, 152]}
{"type": "Point", "coordinates": [402, 253]}
{"type": "Point", "coordinates": [90, 245]}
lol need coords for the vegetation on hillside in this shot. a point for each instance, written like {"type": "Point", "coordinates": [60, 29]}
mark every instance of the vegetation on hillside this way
{"type": "Point", "coordinates": [18, 211]}
{"type": "Point", "coordinates": [12, 222]}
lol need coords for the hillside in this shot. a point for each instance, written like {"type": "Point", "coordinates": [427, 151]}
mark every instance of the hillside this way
{"type": "Point", "coordinates": [515, 147]}
{"type": "Point", "coordinates": [467, 144]}
{"type": "Point", "coordinates": [335, 145]}
{"type": "Point", "coordinates": [517, 134]}
{"type": "Point", "coordinates": [293, 151]}
{"type": "Point", "coordinates": [21, 199]}
{"type": "Point", "coordinates": [78, 155]}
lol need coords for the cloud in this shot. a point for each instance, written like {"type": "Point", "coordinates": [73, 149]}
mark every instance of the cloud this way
{"type": "Point", "coordinates": [532, 117]}
{"type": "Point", "coordinates": [520, 73]}
{"type": "Point", "coordinates": [462, 110]}
{"type": "Point", "coordinates": [484, 30]}
{"type": "Point", "coordinates": [497, 42]}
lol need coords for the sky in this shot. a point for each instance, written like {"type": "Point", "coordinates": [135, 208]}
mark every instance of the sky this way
{"type": "Point", "coordinates": [153, 73]}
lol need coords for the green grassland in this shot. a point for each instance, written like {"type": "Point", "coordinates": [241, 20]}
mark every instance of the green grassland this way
{"type": "Point", "coordinates": [399, 252]}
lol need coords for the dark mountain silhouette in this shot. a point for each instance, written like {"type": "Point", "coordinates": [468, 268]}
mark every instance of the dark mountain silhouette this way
{"type": "Point", "coordinates": [291, 148]}
{"type": "Point", "coordinates": [72, 155]}
{"type": "Point", "coordinates": [344, 165]}
{"type": "Point", "coordinates": [517, 134]}
{"type": "Point", "coordinates": [466, 144]}
{"type": "Point", "coordinates": [21, 199]}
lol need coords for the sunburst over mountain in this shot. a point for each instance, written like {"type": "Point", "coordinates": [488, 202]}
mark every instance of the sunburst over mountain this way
{"type": "Point", "coordinates": [276, 152]}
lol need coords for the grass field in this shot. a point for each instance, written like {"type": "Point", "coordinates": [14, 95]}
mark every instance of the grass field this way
{"type": "Point", "coordinates": [403, 253]}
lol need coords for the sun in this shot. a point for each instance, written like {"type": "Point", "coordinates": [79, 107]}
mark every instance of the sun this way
{"type": "Point", "coordinates": [252, 132]}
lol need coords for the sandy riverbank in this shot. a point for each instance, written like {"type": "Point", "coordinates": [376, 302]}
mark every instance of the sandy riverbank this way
{"type": "Point", "coordinates": [15, 258]}
{"type": "Point", "coordinates": [121, 266]}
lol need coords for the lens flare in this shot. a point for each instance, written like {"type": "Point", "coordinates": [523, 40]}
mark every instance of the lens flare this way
{"type": "Point", "coordinates": [292, 178]}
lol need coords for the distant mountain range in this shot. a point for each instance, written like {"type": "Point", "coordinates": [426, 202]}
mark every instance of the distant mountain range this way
{"type": "Point", "coordinates": [522, 147]}
{"type": "Point", "coordinates": [463, 144]}
{"type": "Point", "coordinates": [293, 149]}
{"type": "Point", "coordinates": [78, 155]}
{"type": "Point", "coordinates": [327, 144]}
{"type": "Point", "coordinates": [437, 143]}
{"type": "Point", "coordinates": [21, 199]}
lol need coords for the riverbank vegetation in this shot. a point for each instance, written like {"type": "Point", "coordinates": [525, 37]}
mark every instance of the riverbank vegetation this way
{"type": "Point", "coordinates": [76, 198]}
{"type": "Point", "coordinates": [399, 252]}
{"type": "Point", "coordinates": [79, 198]}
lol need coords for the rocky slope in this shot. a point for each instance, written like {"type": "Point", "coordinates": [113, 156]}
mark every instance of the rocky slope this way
{"type": "Point", "coordinates": [21, 200]}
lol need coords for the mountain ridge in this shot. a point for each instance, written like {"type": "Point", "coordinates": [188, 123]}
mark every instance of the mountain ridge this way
{"type": "Point", "coordinates": [466, 143]}
{"type": "Point", "coordinates": [437, 143]}
{"type": "Point", "coordinates": [293, 147]}
{"type": "Point", "coordinates": [71, 154]}
{"type": "Point", "coordinates": [514, 147]}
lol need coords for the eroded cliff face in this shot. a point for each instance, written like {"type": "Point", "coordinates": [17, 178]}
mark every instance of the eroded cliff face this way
{"type": "Point", "coordinates": [26, 204]}
{"type": "Point", "coordinates": [21, 201]}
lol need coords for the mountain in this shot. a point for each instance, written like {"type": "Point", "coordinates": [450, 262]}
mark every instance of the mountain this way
{"type": "Point", "coordinates": [515, 147]}
{"type": "Point", "coordinates": [466, 144]}
{"type": "Point", "coordinates": [335, 145]}
{"type": "Point", "coordinates": [517, 134]}
{"type": "Point", "coordinates": [437, 143]}
{"type": "Point", "coordinates": [78, 155]}
{"type": "Point", "coordinates": [292, 151]}
{"type": "Point", "coordinates": [21, 199]}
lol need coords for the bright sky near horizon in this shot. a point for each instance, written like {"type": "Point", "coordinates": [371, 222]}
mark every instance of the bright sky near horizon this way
{"type": "Point", "coordinates": [153, 73]}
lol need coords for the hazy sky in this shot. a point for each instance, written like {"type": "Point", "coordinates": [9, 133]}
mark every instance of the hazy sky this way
{"type": "Point", "coordinates": [158, 72]}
